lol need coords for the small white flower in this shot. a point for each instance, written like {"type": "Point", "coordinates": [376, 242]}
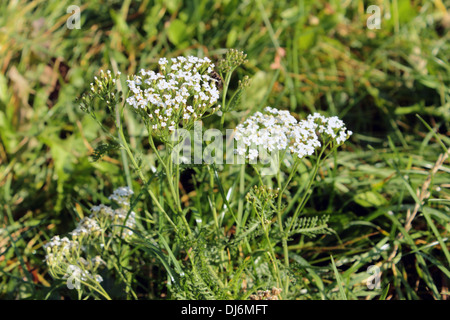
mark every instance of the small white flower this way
{"type": "Point", "coordinates": [98, 278]}
{"type": "Point", "coordinates": [163, 61]}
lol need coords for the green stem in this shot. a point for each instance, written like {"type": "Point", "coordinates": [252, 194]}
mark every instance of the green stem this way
{"type": "Point", "coordinates": [272, 255]}
{"type": "Point", "coordinates": [258, 174]}
{"type": "Point", "coordinates": [280, 222]}
{"type": "Point", "coordinates": [152, 144]}
{"type": "Point", "coordinates": [224, 96]}
{"type": "Point", "coordinates": [213, 198]}
{"type": "Point", "coordinates": [122, 152]}
{"type": "Point", "coordinates": [241, 197]}
{"type": "Point", "coordinates": [169, 172]}
{"type": "Point", "coordinates": [306, 191]}
{"type": "Point", "coordinates": [291, 175]}
{"type": "Point", "coordinates": [129, 288]}
{"type": "Point", "coordinates": [144, 180]}
{"type": "Point", "coordinates": [168, 169]}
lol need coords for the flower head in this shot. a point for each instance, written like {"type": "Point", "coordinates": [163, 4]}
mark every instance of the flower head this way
{"type": "Point", "coordinates": [264, 131]}
{"type": "Point", "coordinates": [122, 195]}
{"type": "Point", "coordinates": [86, 227]}
{"type": "Point", "coordinates": [277, 130]}
{"type": "Point", "coordinates": [182, 92]}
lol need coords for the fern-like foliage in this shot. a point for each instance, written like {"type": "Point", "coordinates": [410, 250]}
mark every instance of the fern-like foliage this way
{"type": "Point", "coordinates": [201, 280]}
{"type": "Point", "coordinates": [310, 226]}
{"type": "Point", "coordinates": [252, 230]}
{"type": "Point", "coordinates": [103, 149]}
{"type": "Point", "coordinates": [261, 202]}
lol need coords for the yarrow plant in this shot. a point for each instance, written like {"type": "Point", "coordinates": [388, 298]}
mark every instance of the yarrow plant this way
{"type": "Point", "coordinates": [224, 238]}
{"type": "Point", "coordinates": [80, 258]}
{"type": "Point", "coordinates": [278, 133]}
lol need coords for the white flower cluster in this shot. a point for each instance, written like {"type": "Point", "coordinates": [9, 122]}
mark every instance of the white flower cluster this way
{"type": "Point", "coordinates": [278, 130]}
{"type": "Point", "coordinates": [65, 252]}
{"type": "Point", "coordinates": [86, 227]}
{"type": "Point", "coordinates": [333, 127]}
{"type": "Point", "coordinates": [182, 92]}
{"type": "Point", "coordinates": [264, 131]}
{"type": "Point", "coordinates": [117, 217]}
{"type": "Point", "coordinates": [60, 247]}
{"type": "Point", "coordinates": [122, 195]}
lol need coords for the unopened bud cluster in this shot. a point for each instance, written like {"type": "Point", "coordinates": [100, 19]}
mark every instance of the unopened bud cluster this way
{"type": "Point", "coordinates": [104, 87]}
{"type": "Point", "coordinates": [262, 192]}
{"type": "Point", "coordinates": [233, 59]}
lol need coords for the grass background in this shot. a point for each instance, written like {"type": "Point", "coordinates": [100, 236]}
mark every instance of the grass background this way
{"type": "Point", "coordinates": [389, 85]}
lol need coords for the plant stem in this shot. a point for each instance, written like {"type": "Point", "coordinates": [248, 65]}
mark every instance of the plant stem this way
{"type": "Point", "coordinates": [224, 96]}
{"type": "Point", "coordinates": [168, 169]}
{"type": "Point", "coordinates": [171, 181]}
{"type": "Point", "coordinates": [271, 253]}
{"type": "Point", "coordinates": [122, 152]}
{"type": "Point", "coordinates": [241, 197]}
{"type": "Point", "coordinates": [280, 222]}
{"type": "Point", "coordinates": [144, 180]}
{"type": "Point", "coordinates": [306, 191]}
